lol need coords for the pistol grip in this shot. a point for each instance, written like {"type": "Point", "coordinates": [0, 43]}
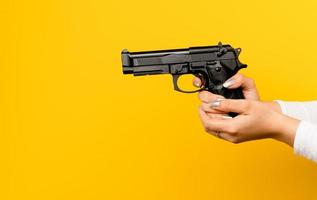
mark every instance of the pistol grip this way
{"type": "Point", "coordinates": [230, 94]}
{"type": "Point", "coordinates": [234, 94]}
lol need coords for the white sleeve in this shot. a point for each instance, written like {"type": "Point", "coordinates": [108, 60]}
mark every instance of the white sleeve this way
{"type": "Point", "coordinates": [300, 110]}
{"type": "Point", "coordinates": [305, 142]}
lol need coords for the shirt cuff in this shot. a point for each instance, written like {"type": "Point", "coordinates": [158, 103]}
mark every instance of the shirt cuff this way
{"type": "Point", "coordinates": [297, 110]}
{"type": "Point", "coordinates": [305, 142]}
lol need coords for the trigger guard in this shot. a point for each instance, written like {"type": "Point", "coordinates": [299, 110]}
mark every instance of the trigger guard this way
{"type": "Point", "coordinates": [202, 80]}
{"type": "Point", "coordinates": [176, 77]}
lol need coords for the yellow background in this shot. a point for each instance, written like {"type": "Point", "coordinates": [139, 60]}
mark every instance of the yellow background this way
{"type": "Point", "coordinates": [73, 127]}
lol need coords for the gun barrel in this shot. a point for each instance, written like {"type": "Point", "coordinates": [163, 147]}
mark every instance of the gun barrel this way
{"type": "Point", "coordinates": [157, 62]}
{"type": "Point", "coordinates": [148, 62]}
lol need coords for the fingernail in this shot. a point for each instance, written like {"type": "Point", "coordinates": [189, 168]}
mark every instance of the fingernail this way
{"type": "Point", "coordinates": [228, 83]}
{"type": "Point", "coordinates": [197, 84]}
{"type": "Point", "coordinates": [215, 103]}
{"type": "Point", "coordinates": [226, 117]}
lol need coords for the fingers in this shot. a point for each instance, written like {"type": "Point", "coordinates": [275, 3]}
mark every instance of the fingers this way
{"type": "Point", "coordinates": [239, 80]}
{"type": "Point", "coordinates": [208, 109]}
{"type": "Point", "coordinates": [221, 128]}
{"type": "Point", "coordinates": [218, 116]}
{"type": "Point", "coordinates": [236, 81]}
{"type": "Point", "coordinates": [197, 82]}
{"type": "Point", "coordinates": [207, 97]}
{"type": "Point", "coordinates": [214, 124]}
{"type": "Point", "coordinates": [231, 105]}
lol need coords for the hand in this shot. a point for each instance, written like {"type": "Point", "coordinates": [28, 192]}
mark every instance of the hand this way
{"type": "Point", "coordinates": [247, 84]}
{"type": "Point", "coordinates": [238, 80]}
{"type": "Point", "coordinates": [255, 121]}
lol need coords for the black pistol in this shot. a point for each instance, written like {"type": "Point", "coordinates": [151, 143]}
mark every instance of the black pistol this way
{"type": "Point", "coordinates": [212, 64]}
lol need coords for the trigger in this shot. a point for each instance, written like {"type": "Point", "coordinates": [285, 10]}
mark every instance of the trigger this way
{"type": "Point", "coordinates": [175, 78]}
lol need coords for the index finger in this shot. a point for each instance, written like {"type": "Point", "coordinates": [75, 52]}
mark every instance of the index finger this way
{"type": "Point", "coordinates": [197, 82]}
{"type": "Point", "coordinates": [208, 97]}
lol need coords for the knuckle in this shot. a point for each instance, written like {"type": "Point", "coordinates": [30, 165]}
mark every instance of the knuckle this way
{"type": "Point", "coordinates": [210, 126]}
{"type": "Point", "coordinates": [203, 95]}
{"type": "Point", "coordinates": [200, 108]}
{"type": "Point", "coordinates": [205, 107]}
{"type": "Point", "coordinates": [206, 96]}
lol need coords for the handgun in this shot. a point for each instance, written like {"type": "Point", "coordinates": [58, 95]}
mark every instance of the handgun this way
{"type": "Point", "coordinates": [212, 64]}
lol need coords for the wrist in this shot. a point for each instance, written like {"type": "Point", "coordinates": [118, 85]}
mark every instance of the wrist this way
{"type": "Point", "coordinates": [286, 129]}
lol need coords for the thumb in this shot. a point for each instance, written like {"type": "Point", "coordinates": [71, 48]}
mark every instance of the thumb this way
{"type": "Point", "coordinates": [239, 80]}
{"type": "Point", "coordinates": [230, 105]}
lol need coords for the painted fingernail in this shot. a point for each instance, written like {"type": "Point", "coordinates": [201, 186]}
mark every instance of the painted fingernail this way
{"type": "Point", "coordinates": [215, 103]}
{"type": "Point", "coordinates": [197, 84]}
{"type": "Point", "coordinates": [228, 83]}
{"type": "Point", "coordinates": [226, 117]}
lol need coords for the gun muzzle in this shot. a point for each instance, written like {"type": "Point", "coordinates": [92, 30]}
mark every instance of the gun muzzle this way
{"type": "Point", "coordinates": [126, 64]}
{"type": "Point", "coordinates": [127, 70]}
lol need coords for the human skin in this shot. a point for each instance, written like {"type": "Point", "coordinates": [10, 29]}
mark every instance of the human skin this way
{"type": "Point", "coordinates": [256, 119]}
